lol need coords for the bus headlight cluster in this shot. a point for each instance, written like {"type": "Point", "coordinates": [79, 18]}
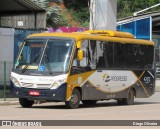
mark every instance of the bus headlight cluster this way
{"type": "Point", "coordinates": [15, 81]}
{"type": "Point", "coordinates": [57, 83]}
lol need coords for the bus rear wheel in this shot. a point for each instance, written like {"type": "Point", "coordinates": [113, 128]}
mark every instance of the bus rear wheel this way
{"type": "Point", "coordinates": [25, 102]}
{"type": "Point", "coordinates": [89, 102]}
{"type": "Point", "coordinates": [130, 98]}
{"type": "Point", "coordinates": [74, 100]}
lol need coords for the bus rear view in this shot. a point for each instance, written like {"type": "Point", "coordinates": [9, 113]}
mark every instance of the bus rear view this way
{"type": "Point", "coordinates": [89, 66]}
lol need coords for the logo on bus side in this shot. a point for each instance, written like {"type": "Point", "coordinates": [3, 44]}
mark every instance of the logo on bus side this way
{"type": "Point", "coordinates": [107, 78]}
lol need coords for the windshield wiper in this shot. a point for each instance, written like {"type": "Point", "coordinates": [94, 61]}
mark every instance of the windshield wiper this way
{"type": "Point", "coordinates": [31, 61]}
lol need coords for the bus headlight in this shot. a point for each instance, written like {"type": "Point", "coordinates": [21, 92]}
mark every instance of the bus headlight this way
{"type": "Point", "coordinates": [57, 83]}
{"type": "Point", "coordinates": [15, 81]}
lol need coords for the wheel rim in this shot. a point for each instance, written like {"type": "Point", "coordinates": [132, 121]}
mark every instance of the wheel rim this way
{"type": "Point", "coordinates": [74, 99]}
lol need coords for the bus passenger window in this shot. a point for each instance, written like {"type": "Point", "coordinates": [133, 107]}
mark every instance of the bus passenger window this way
{"type": "Point", "coordinates": [105, 57]}
{"type": "Point", "coordinates": [119, 55]}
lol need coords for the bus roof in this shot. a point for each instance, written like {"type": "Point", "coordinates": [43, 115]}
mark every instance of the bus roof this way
{"type": "Point", "coordinates": [102, 35]}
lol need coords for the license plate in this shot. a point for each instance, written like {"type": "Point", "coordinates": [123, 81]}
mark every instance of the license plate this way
{"type": "Point", "coordinates": [34, 93]}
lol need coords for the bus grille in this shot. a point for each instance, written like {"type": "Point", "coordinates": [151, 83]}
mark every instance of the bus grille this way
{"type": "Point", "coordinates": [38, 86]}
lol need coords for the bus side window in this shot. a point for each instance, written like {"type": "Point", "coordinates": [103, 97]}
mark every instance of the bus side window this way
{"type": "Point", "coordinates": [138, 56]}
{"type": "Point", "coordinates": [148, 56]}
{"type": "Point", "coordinates": [102, 56]}
{"type": "Point", "coordinates": [119, 55]}
{"type": "Point", "coordinates": [92, 50]}
{"type": "Point", "coordinates": [105, 55]}
{"type": "Point", "coordinates": [80, 66]}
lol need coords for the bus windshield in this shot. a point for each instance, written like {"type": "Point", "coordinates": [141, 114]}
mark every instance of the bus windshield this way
{"type": "Point", "coordinates": [45, 55]}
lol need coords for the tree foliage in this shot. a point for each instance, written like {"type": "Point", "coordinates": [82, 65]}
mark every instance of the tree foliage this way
{"type": "Point", "coordinates": [125, 8]}
{"type": "Point", "coordinates": [76, 4]}
{"type": "Point", "coordinates": [79, 11]}
{"type": "Point", "coordinates": [76, 12]}
{"type": "Point", "coordinates": [53, 15]}
{"type": "Point", "coordinates": [128, 7]}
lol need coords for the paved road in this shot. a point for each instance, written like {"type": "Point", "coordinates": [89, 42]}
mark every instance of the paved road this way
{"type": "Point", "coordinates": [144, 109]}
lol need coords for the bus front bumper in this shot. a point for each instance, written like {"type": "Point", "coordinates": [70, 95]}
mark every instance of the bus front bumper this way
{"type": "Point", "coordinates": [58, 94]}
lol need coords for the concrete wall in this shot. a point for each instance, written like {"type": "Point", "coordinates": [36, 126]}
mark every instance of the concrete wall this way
{"type": "Point", "coordinates": [6, 53]}
{"type": "Point", "coordinates": [24, 21]}
{"type": "Point", "coordinates": [6, 44]}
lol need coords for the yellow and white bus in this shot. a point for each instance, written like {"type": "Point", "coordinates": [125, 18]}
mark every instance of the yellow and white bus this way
{"type": "Point", "coordinates": [85, 66]}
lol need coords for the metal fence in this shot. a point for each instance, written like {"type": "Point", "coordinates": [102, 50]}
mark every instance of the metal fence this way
{"type": "Point", "coordinates": [5, 83]}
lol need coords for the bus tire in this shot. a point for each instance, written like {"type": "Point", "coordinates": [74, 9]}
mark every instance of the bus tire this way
{"type": "Point", "coordinates": [89, 102]}
{"type": "Point", "coordinates": [74, 101]}
{"type": "Point", "coordinates": [130, 98]}
{"type": "Point", "coordinates": [25, 102]}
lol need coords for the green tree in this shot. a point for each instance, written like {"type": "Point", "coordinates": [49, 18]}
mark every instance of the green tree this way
{"type": "Point", "coordinates": [53, 15]}
{"type": "Point", "coordinates": [79, 11]}
{"type": "Point", "coordinates": [76, 4]}
{"type": "Point", "coordinates": [128, 7]}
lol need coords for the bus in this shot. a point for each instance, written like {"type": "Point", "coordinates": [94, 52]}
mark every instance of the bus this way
{"type": "Point", "coordinates": [87, 67]}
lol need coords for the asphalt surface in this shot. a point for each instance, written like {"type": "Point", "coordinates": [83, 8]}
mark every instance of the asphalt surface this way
{"type": "Point", "coordinates": [143, 109]}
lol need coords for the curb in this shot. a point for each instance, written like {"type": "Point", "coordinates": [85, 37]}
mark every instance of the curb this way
{"type": "Point", "coordinates": [14, 102]}
{"type": "Point", "coordinates": [9, 103]}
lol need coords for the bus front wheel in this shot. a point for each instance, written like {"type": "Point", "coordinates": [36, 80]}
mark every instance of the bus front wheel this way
{"type": "Point", "coordinates": [25, 102]}
{"type": "Point", "coordinates": [74, 100]}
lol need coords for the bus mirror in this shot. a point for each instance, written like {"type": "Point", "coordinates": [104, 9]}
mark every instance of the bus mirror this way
{"type": "Point", "coordinates": [79, 44]}
{"type": "Point", "coordinates": [80, 55]}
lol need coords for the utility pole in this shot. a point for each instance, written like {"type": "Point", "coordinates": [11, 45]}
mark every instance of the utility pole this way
{"type": "Point", "coordinates": [103, 14]}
